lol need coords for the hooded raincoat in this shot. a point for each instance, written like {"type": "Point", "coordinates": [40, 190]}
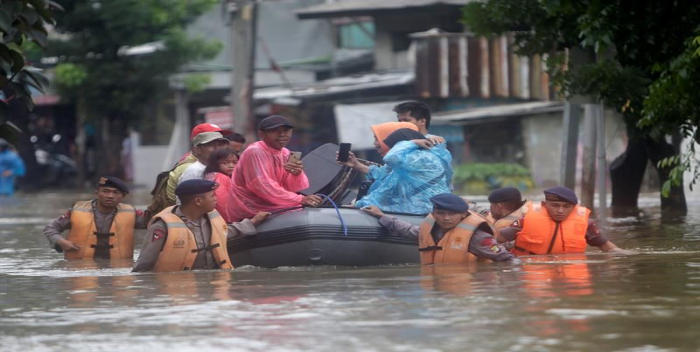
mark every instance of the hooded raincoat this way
{"type": "Point", "coordinates": [260, 182]}
{"type": "Point", "coordinates": [409, 178]}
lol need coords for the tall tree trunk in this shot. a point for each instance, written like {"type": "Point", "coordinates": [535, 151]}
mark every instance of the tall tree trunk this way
{"type": "Point", "coordinates": [674, 204]}
{"type": "Point", "coordinates": [626, 175]}
{"type": "Point", "coordinates": [19, 115]}
{"type": "Point", "coordinates": [112, 132]}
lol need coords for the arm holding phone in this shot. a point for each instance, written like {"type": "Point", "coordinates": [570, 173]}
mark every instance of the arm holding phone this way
{"type": "Point", "coordinates": [347, 158]}
{"type": "Point", "coordinates": [294, 165]}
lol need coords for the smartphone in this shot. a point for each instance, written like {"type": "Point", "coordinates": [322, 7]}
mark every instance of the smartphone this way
{"type": "Point", "coordinates": [295, 156]}
{"type": "Point", "coordinates": [344, 152]}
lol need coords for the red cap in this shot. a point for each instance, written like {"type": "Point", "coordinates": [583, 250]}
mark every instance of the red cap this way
{"type": "Point", "coordinates": [208, 127]}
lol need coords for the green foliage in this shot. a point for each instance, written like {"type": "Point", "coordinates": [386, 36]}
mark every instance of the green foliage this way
{"type": "Point", "coordinates": [196, 83]}
{"type": "Point", "coordinates": [94, 39]}
{"type": "Point", "coordinates": [22, 22]}
{"type": "Point", "coordinates": [70, 75]}
{"type": "Point", "coordinates": [645, 57]}
{"type": "Point", "coordinates": [480, 178]}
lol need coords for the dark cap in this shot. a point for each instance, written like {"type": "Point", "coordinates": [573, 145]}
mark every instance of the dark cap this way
{"type": "Point", "coordinates": [560, 194]}
{"type": "Point", "coordinates": [449, 201]}
{"type": "Point", "coordinates": [274, 121]}
{"type": "Point", "coordinates": [505, 194]}
{"type": "Point", "coordinates": [114, 182]}
{"type": "Point", "coordinates": [194, 187]}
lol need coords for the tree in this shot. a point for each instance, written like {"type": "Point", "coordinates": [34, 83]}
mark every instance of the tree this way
{"type": "Point", "coordinates": [637, 49]}
{"type": "Point", "coordinates": [20, 21]}
{"type": "Point", "coordinates": [110, 85]}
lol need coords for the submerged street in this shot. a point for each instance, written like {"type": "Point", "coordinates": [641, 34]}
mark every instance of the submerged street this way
{"type": "Point", "coordinates": [645, 302]}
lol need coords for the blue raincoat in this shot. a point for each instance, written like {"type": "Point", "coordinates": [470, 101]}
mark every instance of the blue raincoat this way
{"type": "Point", "coordinates": [9, 161]}
{"type": "Point", "coordinates": [409, 178]}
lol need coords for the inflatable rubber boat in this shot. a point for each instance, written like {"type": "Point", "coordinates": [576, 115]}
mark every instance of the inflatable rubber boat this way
{"type": "Point", "coordinates": [316, 236]}
{"type": "Point", "coordinates": [332, 234]}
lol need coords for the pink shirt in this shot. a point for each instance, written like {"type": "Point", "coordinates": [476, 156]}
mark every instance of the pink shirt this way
{"type": "Point", "coordinates": [224, 195]}
{"type": "Point", "coordinates": [260, 182]}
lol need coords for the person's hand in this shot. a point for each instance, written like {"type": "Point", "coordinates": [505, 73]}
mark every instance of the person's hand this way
{"type": "Point", "coordinates": [294, 167]}
{"type": "Point", "coordinates": [7, 173]}
{"type": "Point", "coordinates": [423, 143]}
{"type": "Point", "coordinates": [436, 139]}
{"type": "Point", "coordinates": [67, 245]}
{"type": "Point", "coordinates": [311, 200]}
{"type": "Point", "coordinates": [352, 160]}
{"type": "Point", "coordinates": [260, 217]}
{"type": "Point", "coordinates": [374, 211]}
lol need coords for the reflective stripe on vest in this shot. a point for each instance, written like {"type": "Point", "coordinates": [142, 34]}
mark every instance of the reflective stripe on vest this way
{"type": "Point", "coordinates": [180, 249]}
{"type": "Point", "coordinates": [453, 248]}
{"type": "Point", "coordinates": [83, 232]}
{"type": "Point", "coordinates": [539, 229]}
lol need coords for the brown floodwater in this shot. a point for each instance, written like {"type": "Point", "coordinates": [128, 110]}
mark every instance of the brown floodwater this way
{"type": "Point", "coordinates": [649, 301]}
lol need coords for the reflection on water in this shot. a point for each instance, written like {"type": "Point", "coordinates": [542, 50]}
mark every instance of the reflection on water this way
{"type": "Point", "coordinates": [646, 302]}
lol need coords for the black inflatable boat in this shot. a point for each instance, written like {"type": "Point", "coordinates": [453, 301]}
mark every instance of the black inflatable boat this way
{"type": "Point", "coordinates": [315, 236]}
{"type": "Point", "coordinates": [345, 236]}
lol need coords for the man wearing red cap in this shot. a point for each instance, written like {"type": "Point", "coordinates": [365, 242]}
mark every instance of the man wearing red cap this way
{"type": "Point", "coordinates": [265, 178]}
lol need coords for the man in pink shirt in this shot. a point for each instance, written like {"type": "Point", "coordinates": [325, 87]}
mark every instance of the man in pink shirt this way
{"type": "Point", "coordinates": [265, 179]}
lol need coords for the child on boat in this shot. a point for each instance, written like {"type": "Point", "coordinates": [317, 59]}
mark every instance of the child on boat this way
{"type": "Point", "coordinates": [219, 169]}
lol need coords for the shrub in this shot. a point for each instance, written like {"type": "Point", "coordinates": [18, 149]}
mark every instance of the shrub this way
{"type": "Point", "coordinates": [481, 178]}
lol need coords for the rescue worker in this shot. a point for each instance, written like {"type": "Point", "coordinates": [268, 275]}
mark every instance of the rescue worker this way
{"type": "Point", "coordinates": [557, 225]}
{"type": "Point", "coordinates": [98, 228]}
{"type": "Point", "coordinates": [507, 206]}
{"type": "Point", "coordinates": [451, 234]}
{"type": "Point", "coordinates": [192, 235]}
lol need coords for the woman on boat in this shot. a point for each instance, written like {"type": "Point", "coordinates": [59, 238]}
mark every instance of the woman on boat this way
{"type": "Point", "coordinates": [414, 170]}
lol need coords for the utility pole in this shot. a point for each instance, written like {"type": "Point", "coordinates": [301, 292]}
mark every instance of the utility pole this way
{"type": "Point", "coordinates": [572, 112]}
{"type": "Point", "coordinates": [589, 153]}
{"type": "Point", "coordinates": [602, 164]}
{"type": "Point", "coordinates": [243, 15]}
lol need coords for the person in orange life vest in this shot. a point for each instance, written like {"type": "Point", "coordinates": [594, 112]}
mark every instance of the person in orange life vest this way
{"type": "Point", "coordinates": [507, 206]}
{"type": "Point", "coordinates": [557, 225]}
{"type": "Point", "coordinates": [450, 214]}
{"type": "Point", "coordinates": [192, 235]}
{"type": "Point", "coordinates": [100, 228]}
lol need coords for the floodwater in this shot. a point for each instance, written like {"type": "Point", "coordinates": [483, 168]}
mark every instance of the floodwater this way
{"type": "Point", "coordinates": [649, 301]}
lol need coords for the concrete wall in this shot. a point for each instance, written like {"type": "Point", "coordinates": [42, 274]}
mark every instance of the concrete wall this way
{"type": "Point", "coordinates": [542, 139]}
{"type": "Point", "coordinates": [147, 162]}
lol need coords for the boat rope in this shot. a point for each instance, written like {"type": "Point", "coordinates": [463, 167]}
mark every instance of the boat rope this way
{"type": "Point", "coordinates": [342, 221]}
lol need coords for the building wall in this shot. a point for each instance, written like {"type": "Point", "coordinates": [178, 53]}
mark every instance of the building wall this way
{"type": "Point", "coordinates": [542, 140]}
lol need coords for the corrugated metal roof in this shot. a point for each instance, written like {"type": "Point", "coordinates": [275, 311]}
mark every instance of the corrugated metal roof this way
{"type": "Point", "coordinates": [464, 116]}
{"type": "Point", "coordinates": [337, 85]}
{"type": "Point", "coordinates": [351, 8]}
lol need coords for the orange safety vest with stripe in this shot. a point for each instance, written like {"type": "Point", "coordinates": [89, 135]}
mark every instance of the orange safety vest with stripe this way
{"type": "Point", "coordinates": [84, 233]}
{"type": "Point", "coordinates": [453, 248]}
{"type": "Point", "coordinates": [180, 249]}
{"type": "Point", "coordinates": [542, 235]}
{"type": "Point", "coordinates": [506, 221]}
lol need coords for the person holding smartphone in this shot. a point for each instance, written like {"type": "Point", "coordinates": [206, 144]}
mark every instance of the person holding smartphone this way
{"type": "Point", "coordinates": [268, 176]}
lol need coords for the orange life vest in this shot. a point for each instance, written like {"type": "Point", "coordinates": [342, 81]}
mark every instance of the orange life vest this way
{"type": "Point", "coordinates": [180, 249]}
{"type": "Point", "coordinates": [84, 233]}
{"type": "Point", "coordinates": [453, 248]}
{"type": "Point", "coordinates": [507, 220]}
{"type": "Point", "coordinates": [542, 235]}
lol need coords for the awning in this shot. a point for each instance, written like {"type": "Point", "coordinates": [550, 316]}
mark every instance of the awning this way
{"type": "Point", "coordinates": [463, 117]}
{"type": "Point", "coordinates": [353, 8]}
